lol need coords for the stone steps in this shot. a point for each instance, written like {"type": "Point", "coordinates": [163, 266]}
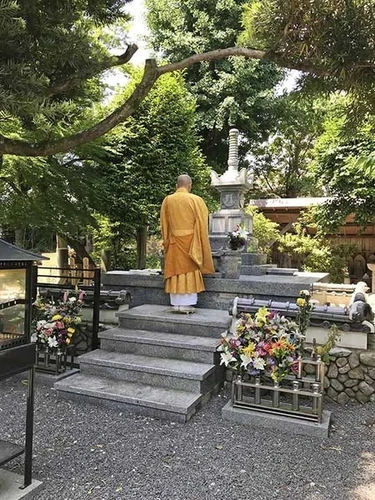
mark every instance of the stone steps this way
{"type": "Point", "coordinates": [255, 270]}
{"type": "Point", "coordinates": [161, 372]}
{"type": "Point", "coordinates": [160, 344]}
{"type": "Point", "coordinates": [203, 323]}
{"type": "Point", "coordinates": [157, 363]}
{"type": "Point", "coordinates": [141, 399]}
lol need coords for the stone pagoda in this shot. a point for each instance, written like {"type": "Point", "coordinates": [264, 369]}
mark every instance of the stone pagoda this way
{"type": "Point", "coordinates": [232, 185]}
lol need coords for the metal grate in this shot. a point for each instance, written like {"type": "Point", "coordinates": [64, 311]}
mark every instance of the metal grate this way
{"type": "Point", "coordinates": [299, 396]}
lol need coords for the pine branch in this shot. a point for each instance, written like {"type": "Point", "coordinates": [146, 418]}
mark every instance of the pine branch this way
{"type": "Point", "coordinates": [151, 73]}
{"type": "Point", "coordinates": [72, 82]}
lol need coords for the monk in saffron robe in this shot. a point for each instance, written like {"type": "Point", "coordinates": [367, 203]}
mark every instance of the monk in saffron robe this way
{"type": "Point", "coordinates": [187, 251]}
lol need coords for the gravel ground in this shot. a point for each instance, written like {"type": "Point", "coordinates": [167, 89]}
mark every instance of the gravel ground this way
{"type": "Point", "coordinates": [85, 452]}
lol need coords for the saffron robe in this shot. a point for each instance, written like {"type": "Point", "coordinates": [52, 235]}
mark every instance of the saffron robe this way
{"type": "Point", "coordinates": [187, 251]}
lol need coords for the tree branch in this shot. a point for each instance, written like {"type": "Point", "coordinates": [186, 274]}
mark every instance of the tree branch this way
{"type": "Point", "coordinates": [72, 82]}
{"type": "Point", "coordinates": [151, 73]}
{"type": "Point", "coordinates": [240, 51]}
{"type": "Point", "coordinates": [20, 148]}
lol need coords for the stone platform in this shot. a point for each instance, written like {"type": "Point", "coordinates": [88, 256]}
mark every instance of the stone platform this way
{"type": "Point", "coordinates": [219, 292]}
{"type": "Point", "coordinates": [10, 484]}
{"type": "Point", "coordinates": [278, 423]}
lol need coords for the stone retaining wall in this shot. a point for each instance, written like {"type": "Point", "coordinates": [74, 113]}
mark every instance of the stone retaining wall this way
{"type": "Point", "coordinates": [350, 376]}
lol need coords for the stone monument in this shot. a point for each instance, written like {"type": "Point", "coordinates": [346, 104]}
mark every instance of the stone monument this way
{"type": "Point", "coordinates": [232, 185]}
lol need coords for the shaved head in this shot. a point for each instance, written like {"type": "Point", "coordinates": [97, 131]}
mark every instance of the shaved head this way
{"type": "Point", "coordinates": [184, 181]}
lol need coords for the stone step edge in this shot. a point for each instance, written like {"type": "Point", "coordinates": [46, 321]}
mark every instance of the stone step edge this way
{"type": "Point", "coordinates": [144, 368]}
{"type": "Point", "coordinates": [65, 386]}
{"type": "Point", "coordinates": [120, 334]}
{"type": "Point", "coordinates": [190, 319]}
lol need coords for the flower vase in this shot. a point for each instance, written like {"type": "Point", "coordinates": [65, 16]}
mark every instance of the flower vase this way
{"type": "Point", "coordinates": [236, 247]}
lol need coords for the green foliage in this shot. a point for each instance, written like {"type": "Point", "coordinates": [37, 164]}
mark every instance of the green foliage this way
{"type": "Point", "coordinates": [335, 35]}
{"type": "Point", "coordinates": [316, 253]}
{"type": "Point", "coordinates": [344, 167]}
{"type": "Point", "coordinates": [232, 91]}
{"type": "Point", "coordinates": [332, 338]}
{"type": "Point", "coordinates": [281, 165]}
{"type": "Point", "coordinates": [52, 55]}
{"type": "Point", "coordinates": [264, 230]}
{"type": "Point", "coordinates": [147, 154]}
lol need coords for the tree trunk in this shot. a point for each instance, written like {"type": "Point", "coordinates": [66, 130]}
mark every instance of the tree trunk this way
{"type": "Point", "coordinates": [19, 237]}
{"type": "Point", "coordinates": [105, 260]}
{"type": "Point", "coordinates": [141, 247]}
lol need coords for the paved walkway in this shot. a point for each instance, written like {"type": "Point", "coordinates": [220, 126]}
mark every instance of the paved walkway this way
{"type": "Point", "coordinates": [83, 452]}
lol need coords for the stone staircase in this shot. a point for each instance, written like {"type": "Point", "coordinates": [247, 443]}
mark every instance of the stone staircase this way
{"type": "Point", "coordinates": [156, 363]}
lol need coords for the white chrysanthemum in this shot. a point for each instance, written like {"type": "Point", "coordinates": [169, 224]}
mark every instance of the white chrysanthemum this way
{"type": "Point", "coordinates": [41, 323]}
{"type": "Point", "coordinates": [258, 363]}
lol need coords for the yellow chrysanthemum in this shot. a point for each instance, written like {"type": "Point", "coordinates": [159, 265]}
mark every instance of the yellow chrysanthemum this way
{"type": "Point", "coordinates": [249, 350]}
{"type": "Point", "coordinates": [70, 331]}
{"type": "Point", "coordinates": [56, 317]}
{"type": "Point", "coordinates": [67, 341]}
{"type": "Point", "coordinates": [301, 302]}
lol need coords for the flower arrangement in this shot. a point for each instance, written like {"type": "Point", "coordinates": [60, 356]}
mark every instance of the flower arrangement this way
{"type": "Point", "coordinates": [55, 322]}
{"type": "Point", "coordinates": [305, 307]}
{"type": "Point", "coordinates": [264, 343]}
{"type": "Point", "coordinates": [238, 237]}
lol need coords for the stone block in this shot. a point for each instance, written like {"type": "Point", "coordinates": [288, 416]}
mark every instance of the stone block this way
{"type": "Point", "coordinates": [332, 371]}
{"type": "Point", "coordinates": [371, 372]}
{"type": "Point", "coordinates": [339, 352]}
{"type": "Point", "coordinates": [332, 394]}
{"type": "Point", "coordinates": [11, 483]}
{"type": "Point", "coordinates": [255, 270]}
{"type": "Point", "coordinates": [277, 422]}
{"type": "Point", "coordinates": [353, 360]}
{"type": "Point", "coordinates": [350, 393]}
{"type": "Point", "coordinates": [337, 385]}
{"type": "Point", "coordinates": [367, 358]}
{"type": "Point", "coordinates": [362, 398]}
{"type": "Point", "coordinates": [356, 373]}
{"type": "Point", "coordinates": [366, 389]}
{"type": "Point", "coordinates": [341, 378]}
{"type": "Point", "coordinates": [357, 340]}
{"type": "Point", "coordinates": [369, 380]}
{"type": "Point", "coordinates": [326, 383]}
{"type": "Point", "coordinates": [155, 402]}
{"type": "Point", "coordinates": [350, 383]}
{"type": "Point", "coordinates": [344, 369]}
{"type": "Point", "coordinates": [340, 362]}
{"type": "Point", "coordinates": [343, 398]}
{"type": "Point", "coordinates": [254, 259]}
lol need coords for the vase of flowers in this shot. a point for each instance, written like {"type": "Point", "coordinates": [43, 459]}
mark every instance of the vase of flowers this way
{"type": "Point", "coordinates": [54, 324]}
{"type": "Point", "coordinates": [237, 239]}
{"type": "Point", "coordinates": [265, 343]}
